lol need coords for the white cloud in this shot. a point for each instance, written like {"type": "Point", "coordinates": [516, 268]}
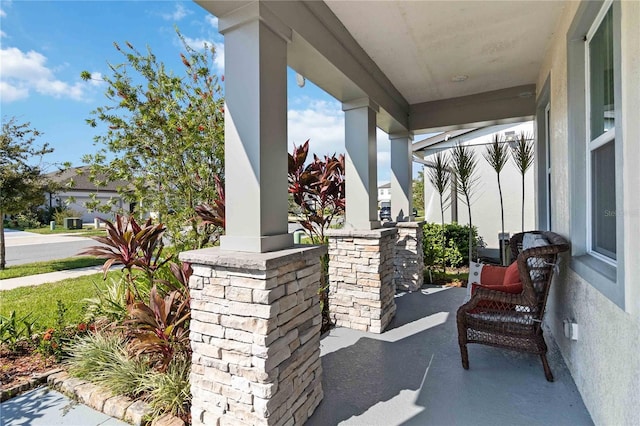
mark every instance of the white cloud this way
{"type": "Point", "coordinates": [179, 13]}
{"type": "Point", "coordinates": [3, 14]}
{"type": "Point", "coordinates": [22, 72]}
{"type": "Point", "coordinates": [2, 34]}
{"type": "Point", "coordinates": [200, 44]}
{"type": "Point", "coordinates": [212, 20]}
{"type": "Point", "coordinates": [96, 79]}
{"type": "Point", "coordinates": [322, 123]}
{"type": "Point", "coordinates": [9, 93]}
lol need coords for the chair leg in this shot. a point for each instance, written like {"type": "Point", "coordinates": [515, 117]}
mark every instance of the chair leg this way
{"type": "Point", "coordinates": [465, 356]}
{"type": "Point", "coordinates": [547, 370]}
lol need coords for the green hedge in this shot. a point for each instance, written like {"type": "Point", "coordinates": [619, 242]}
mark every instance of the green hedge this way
{"type": "Point", "coordinates": [454, 249]}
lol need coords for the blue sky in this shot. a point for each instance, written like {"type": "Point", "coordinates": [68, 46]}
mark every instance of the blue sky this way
{"type": "Point", "coordinates": [46, 45]}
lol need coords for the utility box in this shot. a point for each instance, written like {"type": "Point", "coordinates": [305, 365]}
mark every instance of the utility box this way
{"type": "Point", "coordinates": [72, 223]}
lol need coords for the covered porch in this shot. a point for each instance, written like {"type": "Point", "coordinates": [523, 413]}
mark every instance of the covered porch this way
{"type": "Point", "coordinates": [411, 68]}
{"type": "Point", "coordinates": [411, 375]}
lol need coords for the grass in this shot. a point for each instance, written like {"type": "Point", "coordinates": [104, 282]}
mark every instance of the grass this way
{"type": "Point", "coordinates": [41, 300]}
{"type": "Point", "coordinates": [84, 232]}
{"type": "Point", "coordinates": [49, 266]}
{"type": "Point", "coordinates": [451, 276]}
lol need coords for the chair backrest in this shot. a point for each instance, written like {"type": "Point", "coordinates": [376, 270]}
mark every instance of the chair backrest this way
{"type": "Point", "coordinates": [537, 265]}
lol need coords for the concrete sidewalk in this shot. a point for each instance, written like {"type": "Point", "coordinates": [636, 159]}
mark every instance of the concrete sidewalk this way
{"type": "Point", "coordinates": [46, 407]}
{"type": "Point", "coordinates": [50, 277]}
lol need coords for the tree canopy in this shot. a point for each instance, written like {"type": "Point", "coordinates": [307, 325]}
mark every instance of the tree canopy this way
{"type": "Point", "coordinates": [22, 184]}
{"type": "Point", "coordinates": [164, 134]}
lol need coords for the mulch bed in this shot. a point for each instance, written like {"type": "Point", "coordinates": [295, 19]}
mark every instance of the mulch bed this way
{"type": "Point", "coordinates": [22, 365]}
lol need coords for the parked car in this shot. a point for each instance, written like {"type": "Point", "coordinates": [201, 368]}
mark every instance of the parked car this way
{"type": "Point", "coordinates": [385, 213]}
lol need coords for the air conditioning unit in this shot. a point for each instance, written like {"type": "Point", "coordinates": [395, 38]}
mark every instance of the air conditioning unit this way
{"type": "Point", "coordinates": [72, 223]}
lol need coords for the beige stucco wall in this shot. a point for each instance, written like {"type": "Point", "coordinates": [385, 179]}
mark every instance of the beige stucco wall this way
{"type": "Point", "coordinates": [485, 205]}
{"type": "Point", "coordinates": [605, 361]}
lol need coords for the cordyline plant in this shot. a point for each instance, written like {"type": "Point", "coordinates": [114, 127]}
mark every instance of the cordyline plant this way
{"type": "Point", "coordinates": [157, 326]}
{"type": "Point", "coordinates": [318, 188]}
{"type": "Point", "coordinates": [522, 155]}
{"type": "Point", "coordinates": [439, 175]}
{"type": "Point", "coordinates": [464, 170]}
{"type": "Point", "coordinates": [497, 156]}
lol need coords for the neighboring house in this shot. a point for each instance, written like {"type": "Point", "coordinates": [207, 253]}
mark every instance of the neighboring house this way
{"type": "Point", "coordinates": [384, 195]}
{"type": "Point", "coordinates": [485, 202]}
{"type": "Point", "coordinates": [446, 66]}
{"type": "Point", "coordinates": [77, 189]}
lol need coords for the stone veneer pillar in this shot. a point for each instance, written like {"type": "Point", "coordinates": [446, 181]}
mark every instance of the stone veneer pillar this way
{"type": "Point", "coordinates": [361, 278]}
{"type": "Point", "coordinates": [409, 256]}
{"type": "Point", "coordinates": [255, 336]}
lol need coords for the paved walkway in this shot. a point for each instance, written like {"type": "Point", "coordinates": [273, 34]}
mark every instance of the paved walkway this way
{"type": "Point", "coordinates": [46, 407]}
{"type": "Point", "coordinates": [49, 277]}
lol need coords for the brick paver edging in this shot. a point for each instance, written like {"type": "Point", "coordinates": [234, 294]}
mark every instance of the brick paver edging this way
{"type": "Point", "coordinates": [35, 381]}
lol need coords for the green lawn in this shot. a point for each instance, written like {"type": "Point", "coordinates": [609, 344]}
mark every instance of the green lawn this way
{"type": "Point", "coordinates": [84, 232]}
{"type": "Point", "coordinates": [41, 300]}
{"type": "Point", "coordinates": [49, 266]}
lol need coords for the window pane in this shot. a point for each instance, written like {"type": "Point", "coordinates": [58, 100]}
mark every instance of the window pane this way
{"type": "Point", "coordinates": [601, 77]}
{"type": "Point", "coordinates": [603, 191]}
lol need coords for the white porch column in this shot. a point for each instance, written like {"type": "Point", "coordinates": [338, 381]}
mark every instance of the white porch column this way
{"type": "Point", "coordinates": [255, 130]}
{"type": "Point", "coordinates": [361, 174]}
{"type": "Point", "coordinates": [401, 177]}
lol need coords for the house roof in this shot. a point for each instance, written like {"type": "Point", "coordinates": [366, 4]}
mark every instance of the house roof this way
{"type": "Point", "coordinates": [386, 185]}
{"type": "Point", "coordinates": [77, 179]}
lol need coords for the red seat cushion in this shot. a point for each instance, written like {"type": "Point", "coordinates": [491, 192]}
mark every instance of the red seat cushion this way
{"type": "Point", "coordinates": [512, 275]}
{"type": "Point", "coordinates": [492, 275]}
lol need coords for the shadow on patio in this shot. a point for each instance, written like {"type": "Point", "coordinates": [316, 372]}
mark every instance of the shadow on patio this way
{"type": "Point", "coordinates": [412, 375]}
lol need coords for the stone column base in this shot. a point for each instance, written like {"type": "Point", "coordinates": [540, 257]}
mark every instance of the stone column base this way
{"type": "Point", "coordinates": [361, 283]}
{"type": "Point", "coordinates": [255, 335]}
{"type": "Point", "coordinates": [409, 257]}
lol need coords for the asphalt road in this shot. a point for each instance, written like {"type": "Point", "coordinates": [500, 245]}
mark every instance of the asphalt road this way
{"type": "Point", "coordinates": [25, 247]}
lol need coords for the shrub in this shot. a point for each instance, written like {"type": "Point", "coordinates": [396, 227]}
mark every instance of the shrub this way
{"type": "Point", "coordinates": [454, 248]}
{"type": "Point", "coordinates": [13, 329]}
{"type": "Point", "coordinates": [25, 220]}
{"type": "Point", "coordinates": [61, 213]}
{"type": "Point", "coordinates": [170, 391]}
{"type": "Point", "coordinates": [102, 358]}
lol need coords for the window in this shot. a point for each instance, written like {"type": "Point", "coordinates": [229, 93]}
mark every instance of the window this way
{"type": "Point", "coordinates": [594, 91]}
{"type": "Point", "coordinates": [601, 163]}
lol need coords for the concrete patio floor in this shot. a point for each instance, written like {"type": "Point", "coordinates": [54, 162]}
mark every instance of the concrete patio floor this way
{"type": "Point", "coordinates": [412, 375]}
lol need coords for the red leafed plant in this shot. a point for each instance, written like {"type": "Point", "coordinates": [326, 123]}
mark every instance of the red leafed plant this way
{"type": "Point", "coordinates": [213, 215]}
{"type": "Point", "coordinates": [317, 188]}
{"type": "Point", "coordinates": [132, 245]}
{"type": "Point", "coordinates": [157, 326]}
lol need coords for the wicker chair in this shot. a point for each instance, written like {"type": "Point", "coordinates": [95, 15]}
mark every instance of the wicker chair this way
{"type": "Point", "coordinates": [514, 321]}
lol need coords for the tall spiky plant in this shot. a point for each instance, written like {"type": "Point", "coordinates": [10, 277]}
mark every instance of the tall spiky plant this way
{"type": "Point", "coordinates": [497, 156]}
{"type": "Point", "coordinates": [465, 165]}
{"type": "Point", "coordinates": [439, 176]}
{"type": "Point", "coordinates": [522, 155]}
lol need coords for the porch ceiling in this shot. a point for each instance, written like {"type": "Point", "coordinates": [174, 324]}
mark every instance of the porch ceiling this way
{"type": "Point", "coordinates": [421, 46]}
{"type": "Point", "coordinates": [405, 55]}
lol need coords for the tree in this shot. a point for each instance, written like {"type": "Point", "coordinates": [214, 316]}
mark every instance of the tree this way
{"type": "Point", "coordinates": [439, 175]}
{"type": "Point", "coordinates": [165, 136]}
{"type": "Point", "coordinates": [22, 184]}
{"type": "Point", "coordinates": [464, 170]}
{"type": "Point", "coordinates": [497, 156]}
{"type": "Point", "coordinates": [418, 192]}
{"type": "Point", "coordinates": [522, 156]}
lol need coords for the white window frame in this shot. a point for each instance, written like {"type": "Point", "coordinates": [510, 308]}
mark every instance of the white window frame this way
{"type": "Point", "coordinates": [547, 142]}
{"type": "Point", "coordinates": [592, 145]}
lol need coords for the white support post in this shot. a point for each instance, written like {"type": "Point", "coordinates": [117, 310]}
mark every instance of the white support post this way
{"type": "Point", "coordinates": [361, 174]}
{"type": "Point", "coordinates": [401, 177]}
{"type": "Point", "coordinates": [255, 130]}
